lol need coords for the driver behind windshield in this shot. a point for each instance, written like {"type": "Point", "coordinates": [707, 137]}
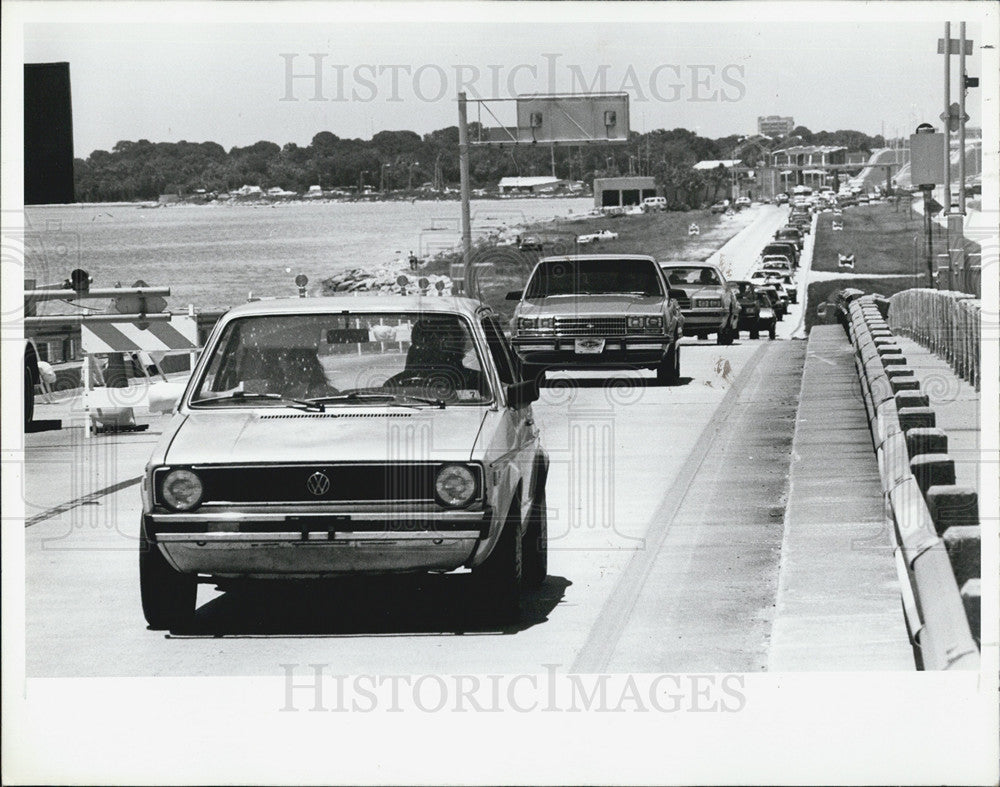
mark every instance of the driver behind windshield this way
{"type": "Point", "coordinates": [436, 359]}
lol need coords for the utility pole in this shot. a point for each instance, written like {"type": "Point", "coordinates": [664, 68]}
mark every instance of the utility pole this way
{"type": "Point", "coordinates": [463, 168]}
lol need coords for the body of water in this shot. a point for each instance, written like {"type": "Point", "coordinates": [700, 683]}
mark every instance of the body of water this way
{"type": "Point", "coordinates": [213, 256]}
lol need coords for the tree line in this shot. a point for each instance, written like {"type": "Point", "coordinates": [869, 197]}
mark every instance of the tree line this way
{"type": "Point", "coordinates": [405, 160]}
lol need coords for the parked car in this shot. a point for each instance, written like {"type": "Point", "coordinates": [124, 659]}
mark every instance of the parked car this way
{"type": "Point", "coordinates": [654, 203]}
{"type": "Point", "coordinates": [595, 237]}
{"type": "Point", "coordinates": [530, 243]}
{"type": "Point", "coordinates": [720, 207]}
{"type": "Point", "coordinates": [792, 235]}
{"type": "Point", "coordinates": [781, 199]}
{"type": "Point", "coordinates": [597, 311]}
{"type": "Point", "coordinates": [743, 202]}
{"type": "Point", "coordinates": [746, 294]}
{"type": "Point", "coordinates": [283, 459]}
{"type": "Point", "coordinates": [706, 300]}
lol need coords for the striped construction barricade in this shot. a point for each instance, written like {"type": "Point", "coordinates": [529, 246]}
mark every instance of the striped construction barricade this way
{"type": "Point", "coordinates": [110, 403]}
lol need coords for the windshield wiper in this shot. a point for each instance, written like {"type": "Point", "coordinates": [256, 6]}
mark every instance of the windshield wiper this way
{"type": "Point", "coordinates": [394, 398]}
{"type": "Point", "coordinates": [304, 404]}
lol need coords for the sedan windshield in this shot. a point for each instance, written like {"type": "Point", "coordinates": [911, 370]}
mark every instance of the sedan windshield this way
{"type": "Point", "coordinates": [693, 275]}
{"type": "Point", "coordinates": [344, 359]}
{"type": "Point", "coordinates": [594, 277]}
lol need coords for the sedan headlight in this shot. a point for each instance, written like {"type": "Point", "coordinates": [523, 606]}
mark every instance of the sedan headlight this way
{"type": "Point", "coordinates": [654, 323]}
{"type": "Point", "coordinates": [635, 322]}
{"type": "Point", "coordinates": [455, 486]}
{"type": "Point", "coordinates": [182, 490]}
{"type": "Point", "coordinates": [526, 323]}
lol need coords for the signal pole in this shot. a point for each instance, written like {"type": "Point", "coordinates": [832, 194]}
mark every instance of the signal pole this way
{"type": "Point", "coordinates": [463, 168]}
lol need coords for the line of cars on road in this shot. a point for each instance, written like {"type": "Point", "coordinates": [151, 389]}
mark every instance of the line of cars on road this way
{"type": "Point", "coordinates": [331, 437]}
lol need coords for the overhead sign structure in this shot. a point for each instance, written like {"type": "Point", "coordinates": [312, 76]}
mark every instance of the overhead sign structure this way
{"type": "Point", "coordinates": [556, 119]}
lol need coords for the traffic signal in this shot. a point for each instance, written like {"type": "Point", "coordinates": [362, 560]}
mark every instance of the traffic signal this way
{"type": "Point", "coordinates": [970, 81]}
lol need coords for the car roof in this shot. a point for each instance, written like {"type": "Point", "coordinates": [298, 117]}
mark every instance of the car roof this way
{"type": "Point", "coordinates": [362, 303]}
{"type": "Point", "coordinates": [674, 264]}
{"type": "Point", "coordinates": [575, 257]}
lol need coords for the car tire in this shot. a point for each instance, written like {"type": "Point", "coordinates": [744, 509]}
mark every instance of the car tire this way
{"type": "Point", "coordinates": [169, 598]}
{"type": "Point", "coordinates": [534, 545]}
{"type": "Point", "coordinates": [755, 332]}
{"type": "Point", "coordinates": [29, 395]}
{"type": "Point", "coordinates": [499, 578]}
{"type": "Point", "coordinates": [669, 371]}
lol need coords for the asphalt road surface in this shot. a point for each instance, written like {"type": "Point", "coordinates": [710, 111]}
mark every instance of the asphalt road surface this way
{"type": "Point", "coordinates": [665, 523]}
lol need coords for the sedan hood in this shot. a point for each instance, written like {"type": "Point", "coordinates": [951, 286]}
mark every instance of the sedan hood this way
{"type": "Point", "coordinates": [340, 434]}
{"type": "Point", "coordinates": [578, 305]}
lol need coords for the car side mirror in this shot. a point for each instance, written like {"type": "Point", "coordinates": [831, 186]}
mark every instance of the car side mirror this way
{"type": "Point", "coordinates": [522, 393]}
{"type": "Point", "coordinates": [513, 295]}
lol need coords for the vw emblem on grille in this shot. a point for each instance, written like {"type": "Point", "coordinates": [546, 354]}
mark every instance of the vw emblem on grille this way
{"type": "Point", "coordinates": [318, 483]}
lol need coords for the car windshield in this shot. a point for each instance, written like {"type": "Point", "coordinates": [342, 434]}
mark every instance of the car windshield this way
{"type": "Point", "coordinates": [594, 277]}
{"type": "Point", "coordinates": [693, 275]}
{"type": "Point", "coordinates": [344, 358]}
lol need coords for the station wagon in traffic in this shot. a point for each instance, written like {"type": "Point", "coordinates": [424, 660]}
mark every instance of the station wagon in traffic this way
{"type": "Point", "coordinates": [589, 311]}
{"type": "Point", "coordinates": [325, 437]}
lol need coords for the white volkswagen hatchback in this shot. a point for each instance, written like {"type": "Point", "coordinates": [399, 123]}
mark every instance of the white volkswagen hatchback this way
{"type": "Point", "coordinates": [334, 436]}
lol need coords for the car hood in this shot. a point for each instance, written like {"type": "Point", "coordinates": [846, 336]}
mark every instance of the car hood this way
{"type": "Point", "coordinates": [340, 434]}
{"type": "Point", "coordinates": [580, 305]}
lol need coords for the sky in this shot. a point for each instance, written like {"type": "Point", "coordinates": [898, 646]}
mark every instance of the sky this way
{"type": "Point", "coordinates": [208, 76]}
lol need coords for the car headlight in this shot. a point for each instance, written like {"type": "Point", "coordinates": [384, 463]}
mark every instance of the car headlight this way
{"type": "Point", "coordinates": [455, 486]}
{"type": "Point", "coordinates": [181, 490]}
{"type": "Point", "coordinates": [654, 323]}
{"type": "Point", "coordinates": [526, 323]}
{"type": "Point", "coordinates": [545, 323]}
{"type": "Point", "coordinates": [635, 322]}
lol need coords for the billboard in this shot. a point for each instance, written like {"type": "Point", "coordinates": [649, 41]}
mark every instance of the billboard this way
{"type": "Point", "coordinates": [571, 119]}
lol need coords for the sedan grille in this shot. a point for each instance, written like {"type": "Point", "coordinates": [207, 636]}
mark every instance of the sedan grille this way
{"type": "Point", "coordinates": [590, 326]}
{"type": "Point", "coordinates": [314, 483]}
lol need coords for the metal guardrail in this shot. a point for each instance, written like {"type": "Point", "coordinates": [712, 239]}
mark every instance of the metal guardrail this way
{"type": "Point", "coordinates": [947, 323]}
{"type": "Point", "coordinates": [933, 604]}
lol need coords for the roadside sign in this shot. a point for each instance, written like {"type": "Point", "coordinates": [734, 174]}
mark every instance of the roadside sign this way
{"type": "Point", "coordinates": [927, 159]}
{"type": "Point", "coordinates": [953, 118]}
{"type": "Point", "coordinates": [953, 48]}
{"type": "Point", "coordinates": [139, 304]}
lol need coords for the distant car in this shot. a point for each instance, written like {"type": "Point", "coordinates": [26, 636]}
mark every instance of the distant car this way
{"type": "Point", "coordinates": [863, 199]}
{"type": "Point", "coordinates": [780, 307]}
{"type": "Point", "coordinates": [706, 301]}
{"type": "Point", "coordinates": [792, 235]}
{"type": "Point", "coordinates": [782, 248]}
{"type": "Point", "coordinates": [595, 237]}
{"type": "Point", "coordinates": [287, 458]}
{"type": "Point", "coordinates": [743, 202]}
{"type": "Point", "coordinates": [654, 203]}
{"type": "Point", "coordinates": [597, 311]}
{"type": "Point", "coordinates": [746, 294]}
{"type": "Point", "coordinates": [530, 243]}
{"type": "Point", "coordinates": [767, 320]}
{"type": "Point", "coordinates": [777, 263]}
{"type": "Point", "coordinates": [781, 199]}
{"type": "Point", "coordinates": [720, 207]}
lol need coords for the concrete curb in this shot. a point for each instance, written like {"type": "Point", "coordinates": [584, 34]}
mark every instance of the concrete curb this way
{"type": "Point", "coordinates": [922, 503]}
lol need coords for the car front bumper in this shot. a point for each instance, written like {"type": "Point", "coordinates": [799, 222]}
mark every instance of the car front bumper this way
{"type": "Point", "coordinates": [252, 544]}
{"type": "Point", "coordinates": [561, 351]}
{"type": "Point", "coordinates": [704, 319]}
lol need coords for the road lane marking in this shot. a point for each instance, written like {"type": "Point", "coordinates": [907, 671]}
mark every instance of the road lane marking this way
{"type": "Point", "coordinates": [604, 635]}
{"type": "Point", "coordinates": [62, 508]}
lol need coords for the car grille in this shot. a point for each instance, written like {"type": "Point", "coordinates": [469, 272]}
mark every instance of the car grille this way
{"type": "Point", "coordinates": [589, 326]}
{"type": "Point", "coordinates": [355, 482]}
